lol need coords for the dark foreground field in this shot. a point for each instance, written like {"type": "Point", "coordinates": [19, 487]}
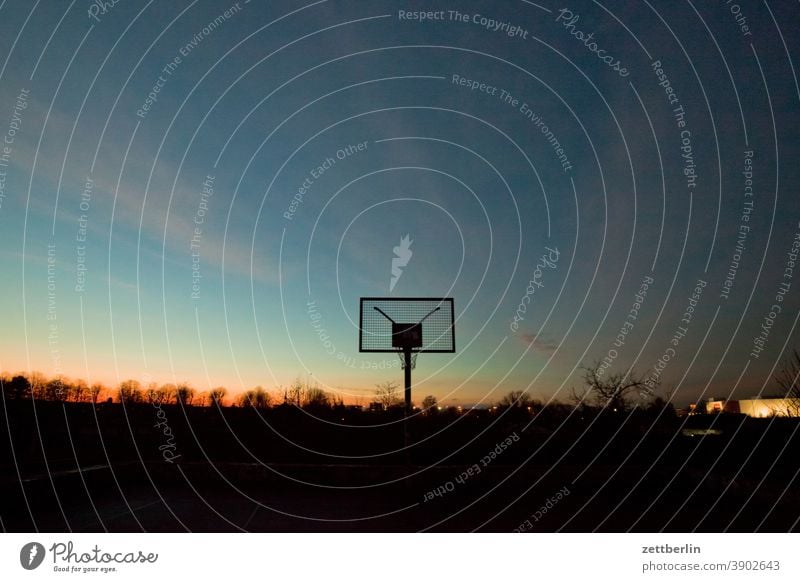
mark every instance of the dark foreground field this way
{"type": "Point", "coordinates": [79, 467]}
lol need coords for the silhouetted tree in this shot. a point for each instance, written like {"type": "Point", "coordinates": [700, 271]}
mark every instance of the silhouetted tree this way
{"type": "Point", "coordinates": [610, 391]}
{"type": "Point", "coordinates": [167, 394]}
{"type": "Point", "coordinates": [316, 397]}
{"type": "Point", "coordinates": [153, 394]}
{"type": "Point", "coordinates": [257, 398]}
{"type": "Point", "coordinates": [56, 390]}
{"type": "Point", "coordinates": [337, 402]}
{"type": "Point", "coordinates": [788, 379]}
{"type": "Point", "coordinates": [95, 390]}
{"type": "Point", "coordinates": [129, 391]}
{"type": "Point", "coordinates": [430, 404]}
{"type": "Point", "coordinates": [79, 391]}
{"type": "Point", "coordinates": [516, 399]}
{"type": "Point", "coordinates": [296, 394]}
{"type": "Point", "coordinates": [184, 394]}
{"type": "Point", "coordinates": [388, 394]}
{"type": "Point", "coordinates": [18, 388]}
{"type": "Point", "coordinates": [38, 383]}
{"type": "Point", "coordinates": [216, 395]}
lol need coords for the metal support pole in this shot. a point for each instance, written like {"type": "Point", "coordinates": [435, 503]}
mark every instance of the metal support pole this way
{"type": "Point", "coordinates": [407, 354]}
{"type": "Point", "coordinates": [407, 407]}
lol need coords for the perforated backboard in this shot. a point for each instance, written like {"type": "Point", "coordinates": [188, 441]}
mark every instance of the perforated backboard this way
{"type": "Point", "coordinates": [424, 324]}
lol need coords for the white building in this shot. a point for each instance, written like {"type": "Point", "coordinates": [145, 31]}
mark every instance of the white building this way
{"type": "Point", "coordinates": [756, 407]}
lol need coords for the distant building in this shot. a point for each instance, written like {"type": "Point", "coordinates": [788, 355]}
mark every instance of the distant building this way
{"type": "Point", "coordinates": [763, 407]}
{"type": "Point", "coordinates": [756, 407]}
{"type": "Point", "coordinates": [714, 406]}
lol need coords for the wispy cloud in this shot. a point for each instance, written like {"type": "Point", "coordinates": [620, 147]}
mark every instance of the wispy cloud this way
{"type": "Point", "coordinates": [539, 344]}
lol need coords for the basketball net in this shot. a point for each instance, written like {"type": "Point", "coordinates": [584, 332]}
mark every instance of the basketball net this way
{"type": "Point", "coordinates": [402, 357]}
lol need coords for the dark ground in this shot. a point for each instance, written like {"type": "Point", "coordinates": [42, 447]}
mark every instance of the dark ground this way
{"type": "Point", "coordinates": [99, 468]}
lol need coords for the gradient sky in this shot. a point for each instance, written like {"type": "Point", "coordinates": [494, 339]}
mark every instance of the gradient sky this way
{"type": "Point", "coordinates": [261, 100]}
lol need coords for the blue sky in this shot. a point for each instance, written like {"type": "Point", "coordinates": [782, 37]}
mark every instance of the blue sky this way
{"type": "Point", "coordinates": [268, 94]}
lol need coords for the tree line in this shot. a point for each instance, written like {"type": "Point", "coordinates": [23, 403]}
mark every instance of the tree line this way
{"type": "Point", "coordinates": [37, 386]}
{"type": "Point", "coordinates": [615, 392]}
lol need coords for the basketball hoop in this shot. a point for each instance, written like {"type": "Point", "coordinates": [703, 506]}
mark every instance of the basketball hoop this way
{"type": "Point", "coordinates": [406, 326]}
